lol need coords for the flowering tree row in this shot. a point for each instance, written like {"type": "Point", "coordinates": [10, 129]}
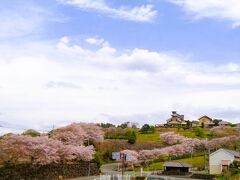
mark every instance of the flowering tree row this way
{"type": "Point", "coordinates": [182, 146]}
{"type": "Point", "coordinates": [222, 131]}
{"type": "Point", "coordinates": [171, 138]}
{"type": "Point", "coordinates": [66, 144]}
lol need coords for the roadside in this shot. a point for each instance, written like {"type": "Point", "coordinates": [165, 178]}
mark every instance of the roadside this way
{"type": "Point", "coordinates": [112, 169]}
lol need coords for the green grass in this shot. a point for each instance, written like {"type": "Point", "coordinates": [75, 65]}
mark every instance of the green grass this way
{"type": "Point", "coordinates": [148, 137]}
{"type": "Point", "coordinates": [187, 133]}
{"type": "Point", "coordinates": [195, 161]}
{"type": "Point", "coordinates": [156, 136]}
{"type": "Point", "coordinates": [191, 134]}
{"type": "Point", "coordinates": [234, 177]}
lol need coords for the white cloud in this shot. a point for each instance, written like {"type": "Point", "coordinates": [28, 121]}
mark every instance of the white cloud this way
{"type": "Point", "coordinates": [21, 21]}
{"type": "Point", "coordinates": [46, 83]}
{"type": "Point", "coordinates": [143, 13]}
{"type": "Point", "coordinates": [62, 84]}
{"type": "Point", "coordinates": [95, 41]}
{"type": "Point", "coordinates": [214, 9]}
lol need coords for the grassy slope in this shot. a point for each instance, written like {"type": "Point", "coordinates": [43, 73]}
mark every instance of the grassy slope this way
{"type": "Point", "coordinates": [148, 137]}
{"type": "Point", "coordinates": [156, 136]}
{"type": "Point", "coordinates": [191, 134]}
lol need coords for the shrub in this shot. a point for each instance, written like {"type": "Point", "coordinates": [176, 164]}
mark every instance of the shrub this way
{"type": "Point", "coordinates": [203, 176]}
{"type": "Point", "coordinates": [119, 133]}
{"type": "Point", "coordinates": [97, 159]}
{"type": "Point", "coordinates": [234, 171]}
{"type": "Point", "coordinates": [199, 132]}
{"type": "Point", "coordinates": [31, 132]}
{"type": "Point", "coordinates": [132, 137]}
{"type": "Point", "coordinates": [236, 164]}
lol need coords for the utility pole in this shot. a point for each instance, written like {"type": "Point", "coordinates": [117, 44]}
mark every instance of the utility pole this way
{"type": "Point", "coordinates": [204, 158]}
{"type": "Point", "coordinates": [192, 155]}
{"type": "Point", "coordinates": [123, 156]}
{"type": "Point", "coordinates": [209, 151]}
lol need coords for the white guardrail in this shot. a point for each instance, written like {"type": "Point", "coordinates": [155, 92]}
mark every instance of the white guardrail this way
{"type": "Point", "coordinates": [114, 177]}
{"type": "Point", "coordinates": [117, 177]}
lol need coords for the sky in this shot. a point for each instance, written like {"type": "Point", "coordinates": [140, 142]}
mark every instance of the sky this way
{"type": "Point", "coordinates": [64, 61]}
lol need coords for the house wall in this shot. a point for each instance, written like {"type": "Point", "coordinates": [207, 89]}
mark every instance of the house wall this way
{"type": "Point", "coordinates": [204, 120]}
{"type": "Point", "coordinates": [215, 169]}
{"type": "Point", "coordinates": [215, 160]}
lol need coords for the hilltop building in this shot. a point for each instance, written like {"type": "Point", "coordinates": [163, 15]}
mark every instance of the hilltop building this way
{"type": "Point", "coordinates": [176, 120]}
{"type": "Point", "coordinates": [206, 121]}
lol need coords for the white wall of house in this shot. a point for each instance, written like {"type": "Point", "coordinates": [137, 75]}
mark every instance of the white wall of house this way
{"type": "Point", "coordinates": [216, 158]}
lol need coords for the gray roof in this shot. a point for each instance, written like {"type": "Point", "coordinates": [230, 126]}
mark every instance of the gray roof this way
{"type": "Point", "coordinates": [234, 153]}
{"type": "Point", "coordinates": [176, 164]}
{"type": "Point", "coordinates": [223, 122]}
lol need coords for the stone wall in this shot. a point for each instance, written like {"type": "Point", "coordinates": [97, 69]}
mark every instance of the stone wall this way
{"type": "Point", "coordinates": [47, 172]}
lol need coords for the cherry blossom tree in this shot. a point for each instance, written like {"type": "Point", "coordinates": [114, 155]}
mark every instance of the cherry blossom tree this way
{"type": "Point", "coordinates": [15, 149]}
{"type": "Point", "coordinates": [222, 131]}
{"type": "Point", "coordinates": [78, 133]}
{"type": "Point", "coordinates": [171, 138]}
{"type": "Point", "coordinates": [222, 142]}
{"type": "Point", "coordinates": [132, 154]}
{"type": "Point", "coordinates": [94, 133]}
{"type": "Point", "coordinates": [186, 145]}
{"type": "Point", "coordinates": [72, 134]}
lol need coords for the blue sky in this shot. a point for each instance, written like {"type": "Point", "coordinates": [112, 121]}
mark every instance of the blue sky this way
{"type": "Point", "coordinates": [100, 60]}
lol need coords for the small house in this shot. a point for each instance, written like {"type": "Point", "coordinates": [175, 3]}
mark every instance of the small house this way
{"type": "Point", "coordinates": [206, 121]}
{"type": "Point", "coordinates": [176, 168]}
{"type": "Point", "coordinates": [195, 123]}
{"type": "Point", "coordinates": [221, 159]}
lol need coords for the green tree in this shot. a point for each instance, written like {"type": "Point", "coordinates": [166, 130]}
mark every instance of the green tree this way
{"type": "Point", "coordinates": [199, 132]}
{"type": "Point", "coordinates": [216, 121]}
{"type": "Point", "coordinates": [97, 159]}
{"type": "Point", "coordinates": [124, 125]}
{"type": "Point", "coordinates": [132, 137]}
{"type": "Point", "coordinates": [147, 129]}
{"type": "Point", "coordinates": [106, 125]}
{"type": "Point", "coordinates": [189, 124]}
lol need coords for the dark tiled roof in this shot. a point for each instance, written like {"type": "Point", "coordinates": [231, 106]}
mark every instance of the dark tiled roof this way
{"type": "Point", "coordinates": [176, 164]}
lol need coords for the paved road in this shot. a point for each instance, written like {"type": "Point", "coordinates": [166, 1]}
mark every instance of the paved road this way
{"type": "Point", "coordinates": [112, 169]}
